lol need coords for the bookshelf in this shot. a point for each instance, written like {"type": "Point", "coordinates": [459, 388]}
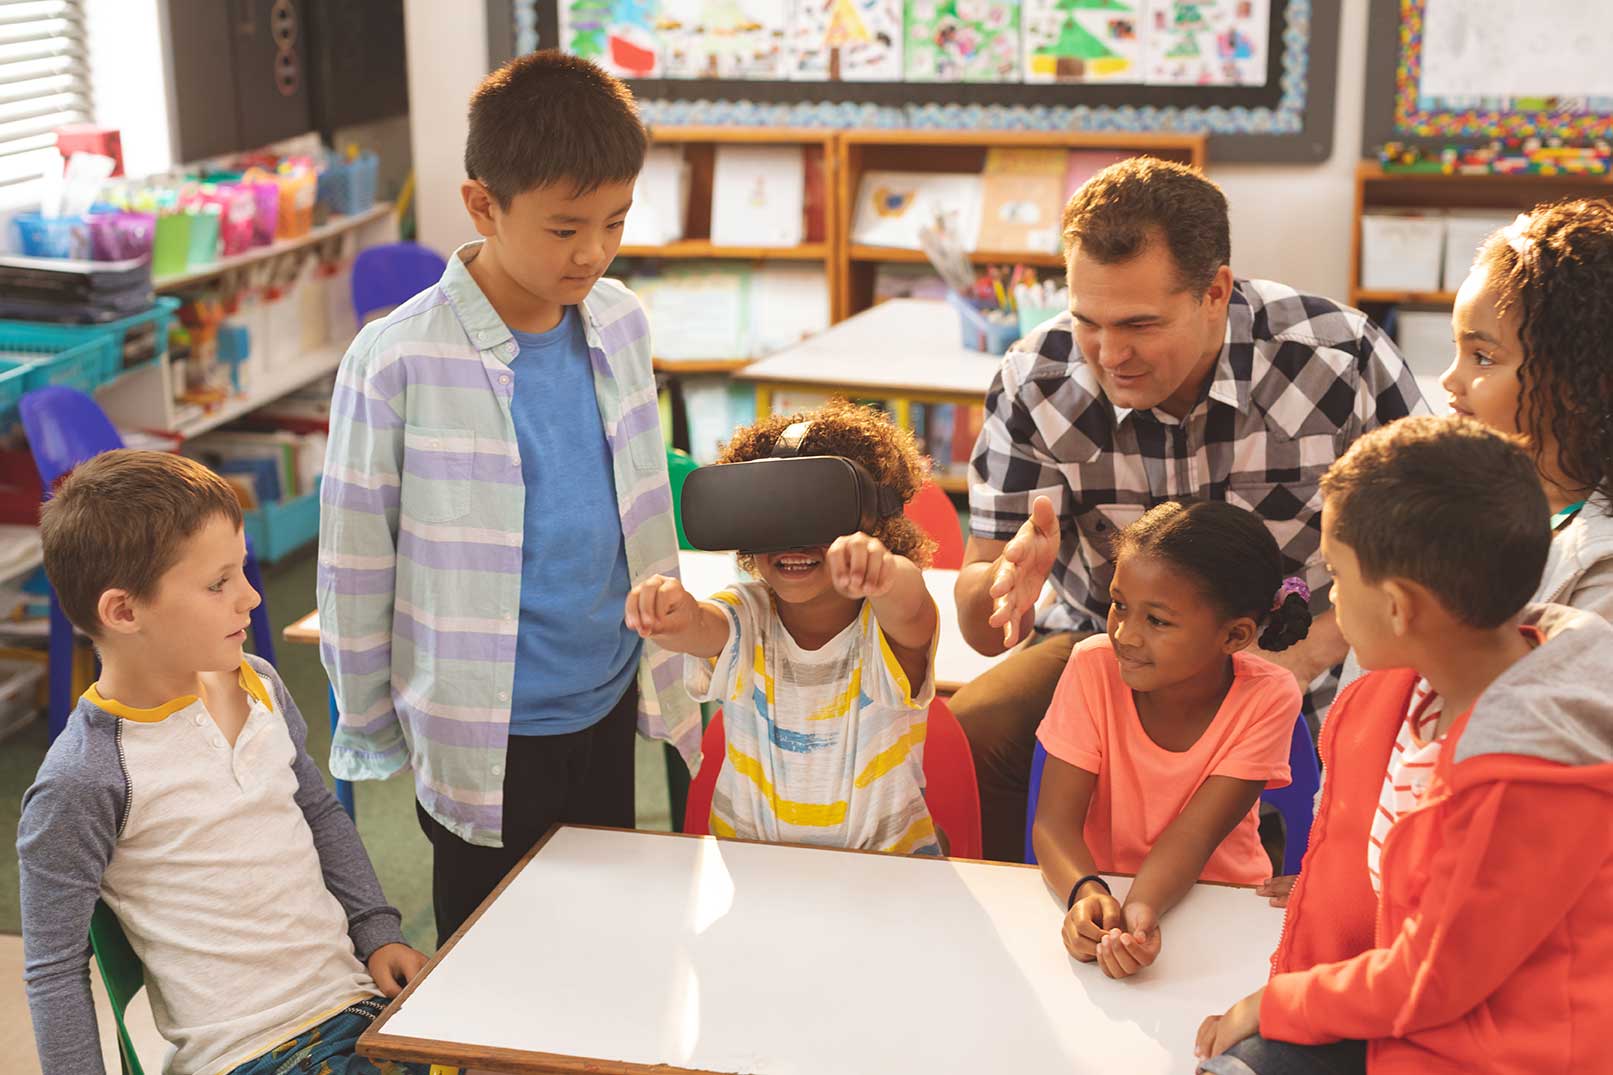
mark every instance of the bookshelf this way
{"type": "Point", "coordinates": [1379, 191]}
{"type": "Point", "coordinates": [863, 151]}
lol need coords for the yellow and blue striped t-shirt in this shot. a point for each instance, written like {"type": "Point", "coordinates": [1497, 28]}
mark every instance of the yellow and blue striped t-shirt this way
{"type": "Point", "coordinates": [825, 746]}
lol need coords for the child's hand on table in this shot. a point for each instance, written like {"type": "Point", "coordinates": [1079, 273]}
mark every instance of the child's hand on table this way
{"type": "Point", "coordinates": [1219, 1033]}
{"type": "Point", "coordinates": [861, 566]}
{"type": "Point", "coordinates": [1277, 889]}
{"type": "Point", "coordinates": [392, 965]}
{"type": "Point", "coordinates": [1088, 922]}
{"type": "Point", "coordinates": [660, 606]}
{"type": "Point", "coordinates": [1123, 952]}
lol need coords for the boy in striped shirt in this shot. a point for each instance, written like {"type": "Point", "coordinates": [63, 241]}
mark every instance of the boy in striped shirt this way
{"type": "Point", "coordinates": [495, 480]}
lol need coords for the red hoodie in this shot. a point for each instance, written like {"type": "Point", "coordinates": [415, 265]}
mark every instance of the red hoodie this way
{"type": "Point", "coordinates": [1492, 945]}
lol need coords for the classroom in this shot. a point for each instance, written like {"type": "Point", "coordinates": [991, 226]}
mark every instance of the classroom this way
{"type": "Point", "coordinates": [806, 537]}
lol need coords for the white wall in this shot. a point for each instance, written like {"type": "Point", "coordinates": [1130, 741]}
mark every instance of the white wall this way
{"type": "Point", "coordinates": [1289, 222]}
{"type": "Point", "coordinates": [447, 53]}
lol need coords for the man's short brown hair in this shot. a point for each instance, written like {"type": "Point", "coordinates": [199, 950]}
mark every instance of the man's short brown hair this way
{"type": "Point", "coordinates": [1128, 205]}
{"type": "Point", "coordinates": [546, 118]}
{"type": "Point", "coordinates": [119, 522]}
{"type": "Point", "coordinates": [1449, 504]}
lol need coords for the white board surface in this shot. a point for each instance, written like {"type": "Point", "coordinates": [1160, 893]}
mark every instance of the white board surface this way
{"type": "Point", "coordinates": [1517, 48]}
{"type": "Point", "coordinates": [719, 956]}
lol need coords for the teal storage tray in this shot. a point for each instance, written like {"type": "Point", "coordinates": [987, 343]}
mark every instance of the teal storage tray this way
{"type": "Point", "coordinates": [134, 341]}
{"type": "Point", "coordinates": [13, 383]}
{"type": "Point", "coordinates": [278, 530]}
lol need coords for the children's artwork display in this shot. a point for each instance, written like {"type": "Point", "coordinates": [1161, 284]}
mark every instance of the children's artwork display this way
{"type": "Point", "coordinates": [962, 41]}
{"type": "Point", "coordinates": [847, 41]}
{"type": "Point", "coordinates": [1207, 43]}
{"type": "Point", "coordinates": [1083, 40]}
{"type": "Point", "coordinates": [725, 39]}
{"type": "Point", "coordinates": [1155, 42]}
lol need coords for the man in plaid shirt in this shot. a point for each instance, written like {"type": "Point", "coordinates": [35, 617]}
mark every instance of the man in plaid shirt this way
{"type": "Point", "coordinates": [1168, 378]}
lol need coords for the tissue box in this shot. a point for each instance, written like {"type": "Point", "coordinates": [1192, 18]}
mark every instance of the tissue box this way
{"type": "Point", "coordinates": [1401, 252]}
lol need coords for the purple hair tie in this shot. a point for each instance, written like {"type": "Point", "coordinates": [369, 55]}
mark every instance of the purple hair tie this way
{"type": "Point", "coordinates": [1292, 584]}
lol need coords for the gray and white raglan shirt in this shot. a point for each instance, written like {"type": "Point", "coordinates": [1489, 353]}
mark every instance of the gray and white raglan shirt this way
{"type": "Point", "coordinates": [240, 881]}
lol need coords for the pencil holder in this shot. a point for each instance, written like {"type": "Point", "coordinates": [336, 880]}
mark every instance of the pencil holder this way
{"type": "Point", "coordinates": [348, 187]}
{"type": "Point", "coordinates": [52, 237]}
{"type": "Point", "coordinates": [991, 331]}
{"type": "Point", "coordinates": [1032, 316]}
{"type": "Point", "coordinates": [120, 235]}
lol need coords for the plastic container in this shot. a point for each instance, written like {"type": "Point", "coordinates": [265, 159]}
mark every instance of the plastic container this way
{"type": "Point", "coordinates": [266, 217]}
{"type": "Point", "coordinates": [20, 678]}
{"type": "Point", "coordinates": [52, 237]}
{"type": "Point", "coordinates": [979, 330]}
{"type": "Point", "coordinates": [132, 341]}
{"type": "Point", "coordinates": [119, 235]}
{"type": "Point", "coordinates": [298, 191]}
{"type": "Point", "coordinates": [348, 186]}
{"type": "Point", "coordinates": [202, 249]}
{"type": "Point", "coordinates": [13, 383]}
{"type": "Point", "coordinates": [277, 530]}
{"type": "Point", "coordinates": [170, 245]}
{"type": "Point", "coordinates": [1030, 317]}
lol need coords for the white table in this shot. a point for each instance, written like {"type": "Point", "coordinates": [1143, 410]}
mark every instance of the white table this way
{"type": "Point", "coordinates": [609, 951]}
{"type": "Point", "coordinates": [956, 663]}
{"type": "Point", "coordinates": [704, 573]}
{"type": "Point", "coordinates": [909, 350]}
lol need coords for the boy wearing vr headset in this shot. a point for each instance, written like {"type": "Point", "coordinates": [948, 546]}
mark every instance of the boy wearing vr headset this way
{"type": "Point", "coordinates": [824, 664]}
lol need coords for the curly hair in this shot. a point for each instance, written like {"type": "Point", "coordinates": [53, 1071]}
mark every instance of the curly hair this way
{"type": "Point", "coordinates": [866, 435]}
{"type": "Point", "coordinates": [1554, 270]}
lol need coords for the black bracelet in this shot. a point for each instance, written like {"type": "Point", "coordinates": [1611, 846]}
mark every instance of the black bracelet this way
{"type": "Point", "coordinates": [1076, 888]}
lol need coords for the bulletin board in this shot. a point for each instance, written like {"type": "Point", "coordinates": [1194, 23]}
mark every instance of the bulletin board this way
{"type": "Point", "coordinates": [1257, 76]}
{"type": "Point", "coordinates": [1458, 71]}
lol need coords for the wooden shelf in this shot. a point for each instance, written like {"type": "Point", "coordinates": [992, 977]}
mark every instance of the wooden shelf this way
{"type": "Point", "coordinates": [979, 257]}
{"type": "Point", "coordinates": [331, 228]}
{"type": "Point", "coordinates": [704, 248]}
{"type": "Point", "coordinates": [1190, 146]}
{"type": "Point", "coordinates": [693, 366]}
{"type": "Point", "coordinates": [752, 135]}
{"type": "Point", "coordinates": [953, 483]}
{"type": "Point", "coordinates": [1403, 298]}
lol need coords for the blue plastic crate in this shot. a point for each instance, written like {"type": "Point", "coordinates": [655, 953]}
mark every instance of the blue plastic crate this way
{"type": "Point", "coordinates": [278, 530]}
{"type": "Point", "coordinates": [133, 341]}
{"type": "Point", "coordinates": [82, 365]}
{"type": "Point", "coordinates": [348, 187]}
{"type": "Point", "coordinates": [13, 383]}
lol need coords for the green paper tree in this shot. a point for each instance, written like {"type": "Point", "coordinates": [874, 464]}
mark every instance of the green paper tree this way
{"type": "Point", "coordinates": [1186, 48]}
{"type": "Point", "coordinates": [1188, 15]}
{"type": "Point", "coordinates": [1075, 42]}
{"type": "Point", "coordinates": [1094, 5]}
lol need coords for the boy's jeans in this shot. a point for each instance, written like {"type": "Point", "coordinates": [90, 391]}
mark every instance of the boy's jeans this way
{"type": "Point", "coordinates": [327, 1049]}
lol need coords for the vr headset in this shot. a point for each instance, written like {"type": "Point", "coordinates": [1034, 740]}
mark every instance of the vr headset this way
{"type": "Point", "coordinates": [788, 501]}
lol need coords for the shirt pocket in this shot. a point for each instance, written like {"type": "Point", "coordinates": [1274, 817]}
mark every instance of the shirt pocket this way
{"type": "Point", "coordinates": [438, 465]}
{"type": "Point", "coordinates": [1099, 526]}
{"type": "Point", "coordinates": [1292, 512]}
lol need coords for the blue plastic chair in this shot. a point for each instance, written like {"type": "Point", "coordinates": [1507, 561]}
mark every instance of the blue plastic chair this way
{"type": "Point", "coordinates": [65, 427]}
{"type": "Point", "coordinates": [1296, 802]}
{"type": "Point", "coordinates": [390, 274]}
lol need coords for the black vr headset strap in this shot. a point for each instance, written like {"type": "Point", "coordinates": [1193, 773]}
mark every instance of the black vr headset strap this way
{"type": "Point", "coordinates": [887, 500]}
{"type": "Point", "coordinates": [788, 444]}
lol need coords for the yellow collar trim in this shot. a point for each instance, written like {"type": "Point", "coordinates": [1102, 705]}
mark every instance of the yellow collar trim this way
{"type": "Point", "coordinates": [248, 679]}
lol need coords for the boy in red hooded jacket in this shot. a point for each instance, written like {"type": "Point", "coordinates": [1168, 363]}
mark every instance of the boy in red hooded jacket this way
{"type": "Point", "coordinates": [1469, 799]}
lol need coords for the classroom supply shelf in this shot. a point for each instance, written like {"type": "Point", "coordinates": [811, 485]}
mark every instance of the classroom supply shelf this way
{"type": "Point", "coordinates": [1043, 260]}
{"type": "Point", "coordinates": [702, 248]}
{"type": "Point", "coordinates": [339, 225]}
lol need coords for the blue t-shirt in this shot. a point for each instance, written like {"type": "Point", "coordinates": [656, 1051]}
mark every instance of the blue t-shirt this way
{"type": "Point", "coordinates": [574, 655]}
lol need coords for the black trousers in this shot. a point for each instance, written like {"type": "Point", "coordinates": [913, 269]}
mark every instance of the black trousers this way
{"type": "Point", "coordinates": [584, 778]}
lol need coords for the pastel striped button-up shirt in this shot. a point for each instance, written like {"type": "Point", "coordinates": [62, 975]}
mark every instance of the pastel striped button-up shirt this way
{"type": "Point", "coordinates": [420, 536]}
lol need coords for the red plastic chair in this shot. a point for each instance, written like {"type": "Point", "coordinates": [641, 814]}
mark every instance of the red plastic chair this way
{"type": "Point", "coordinates": [932, 510]}
{"type": "Point", "coordinates": [949, 772]}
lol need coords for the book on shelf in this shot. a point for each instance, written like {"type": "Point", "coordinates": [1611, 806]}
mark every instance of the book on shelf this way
{"type": "Point", "coordinates": [660, 199]}
{"type": "Point", "coordinates": [758, 195]}
{"type": "Point", "coordinates": [1021, 200]}
{"type": "Point", "coordinates": [893, 206]}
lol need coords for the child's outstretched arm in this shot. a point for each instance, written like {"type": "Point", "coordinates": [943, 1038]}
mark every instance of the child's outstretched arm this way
{"type": "Point", "coordinates": [659, 608]}
{"type": "Point", "coordinates": [1172, 866]}
{"type": "Point", "coordinates": [862, 567]}
{"type": "Point", "coordinates": [1061, 849]}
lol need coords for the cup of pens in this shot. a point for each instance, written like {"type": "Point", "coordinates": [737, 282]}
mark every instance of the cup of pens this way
{"type": "Point", "coordinates": [984, 326]}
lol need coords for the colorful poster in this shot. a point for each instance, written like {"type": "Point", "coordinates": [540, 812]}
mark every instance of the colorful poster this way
{"type": "Point", "coordinates": [1208, 42]}
{"type": "Point", "coordinates": [846, 41]}
{"type": "Point", "coordinates": [727, 39]}
{"type": "Point", "coordinates": [619, 35]}
{"type": "Point", "coordinates": [1083, 40]}
{"type": "Point", "coordinates": [962, 41]}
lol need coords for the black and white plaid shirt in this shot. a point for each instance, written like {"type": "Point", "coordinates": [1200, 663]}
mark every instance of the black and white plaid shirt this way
{"type": "Point", "coordinates": [1298, 380]}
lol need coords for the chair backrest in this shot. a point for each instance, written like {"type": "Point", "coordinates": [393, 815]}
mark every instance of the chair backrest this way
{"type": "Point", "coordinates": [949, 771]}
{"type": "Point", "coordinates": [1297, 802]}
{"type": "Point", "coordinates": [951, 790]}
{"type": "Point", "coordinates": [932, 510]}
{"type": "Point", "coordinates": [65, 427]}
{"type": "Point", "coordinates": [121, 973]}
{"type": "Point", "coordinates": [713, 753]}
{"type": "Point", "coordinates": [679, 465]}
{"type": "Point", "coordinates": [392, 273]}
{"type": "Point", "coordinates": [1038, 761]}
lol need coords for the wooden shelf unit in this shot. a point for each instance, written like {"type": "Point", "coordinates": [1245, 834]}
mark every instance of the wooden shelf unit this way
{"type": "Point", "coordinates": [1379, 191]}
{"type": "Point", "coordinates": [700, 152]}
{"type": "Point", "coordinates": [863, 151]}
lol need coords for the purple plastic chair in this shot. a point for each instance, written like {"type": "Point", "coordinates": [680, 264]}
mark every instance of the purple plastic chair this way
{"type": "Point", "coordinates": [389, 275]}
